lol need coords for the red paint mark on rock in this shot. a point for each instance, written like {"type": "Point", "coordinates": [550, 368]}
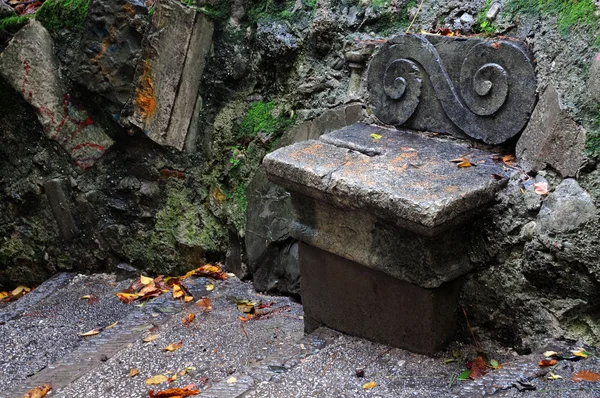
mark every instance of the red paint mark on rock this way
{"type": "Point", "coordinates": [168, 173]}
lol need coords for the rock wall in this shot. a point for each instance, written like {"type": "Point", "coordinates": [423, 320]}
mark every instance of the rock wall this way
{"type": "Point", "coordinates": [178, 180]}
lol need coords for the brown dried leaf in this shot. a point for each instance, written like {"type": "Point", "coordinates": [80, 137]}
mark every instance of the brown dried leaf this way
{"type": "Point", "coordinates": [38, 392]}
{"type": "Point", "coordinates": [478, 368]}
{"type": "Point", "coordinates": [173, 347]}
{"type": "Point", "coordinates": [586, 375]}
{"type": "Point", "coordinates": [173, 392]}
{"type": "Point", "coordinates": [188, 319]}
{"type": "Point", "coordinates": [187, 299]}
{"type": "Point", "coordinates": [133, 372]}
{"type": "Point", "coordinates": [177, 291]}
{"type": "Point", "coordinates": [92, 332]}
{"type": "Point", "coordinates": [127, 298]}
{"type": "Point", "coordinates": [547, 362]}
{"type": "Point", "coordinates": [208, 271]}
{"type": "Point", "coordinates": [205, 303]}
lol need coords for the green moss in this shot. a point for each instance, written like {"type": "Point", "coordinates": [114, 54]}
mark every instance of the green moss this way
{"type": "Point", "coordinates": [57, 15]}
{"type": "Point", "coordinates": [257, 10]}
{"type": "Point", "coordinates": [569, 12]}
{"type": "Point", "coordinates": [482, 25]}
{"type": "Point", "coordinates": [592, 143]}
{"type": "Point", "coordinates": [14, 23]}
{"type": "Point", "coordinates": [13, 249]}
{"type": "Point", "coordinates": [219, 12]}
{"type": "Point", "coordinates": [260, 119]}
{"type": "Point", "coordinates": [392, 23]}
{"type": "Point", "coordinates": [311, 4]}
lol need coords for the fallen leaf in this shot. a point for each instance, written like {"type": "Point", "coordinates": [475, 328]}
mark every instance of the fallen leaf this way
{"type": "Point", "coordinates": [208, 271]}
{"type": "Point", "coordinates": [554, 376]}
{"type": "Point", "coordinates": [92, 332]}
{"type": "Point", "coordinates": [369, 385]}
{"type": "Point", "coordinates": [231, 380]}
{"type": "Point", "coordinates": [464, 375]}
{"type": "Point", "coordinates": [210, 287]}
{"type": "Point", "coordinates": [20, 290]}
{"type": "Point", "coordinates": [177, 291]}
{"type": "Point", "coordinates": [91, 298]}
{"type": "Point", "coordinates": [478, 368]}
{"type": "Point", "coordinates": [376, 136]}
{"type": "Point", "coordinates": [497, 176]}
{"type": "Point", "coordinates": [150, 338]}
{"type": "Point", "coordinates": [508, 158]}
{"type": "Point", "coordinates": [38, 392]}
{"type": "Point", "coordinates": [184, 371]}
{"type": "Point", "coordinates": [586, 375]}
{"type": "Point", "coordinates": [172, 378]}
{"type": "Point", "coordinates": [188, 319]}
{"type": "Point", "coordinates": [462, 162]}
{"type": "Point", "coordinates": [581, 353]}
{"type": "Point", "coordinates": [541, 188]}
{"type": "Point", "coordinates": [145, 280]}
{"type": "Point", "coordinates": [550, 354]}
{"type": "Point", "coordinates": [127, 298]}
{"type": "Point", "coordinates": [112, 325]}
{"type": "Point", "coordinates": [547, 362]}
{"type": "Point", "coordinates": [133, 372]}
{"type": "Point", "coordinates": [173, 392]}
{"type": "Point", "coordinates": [495, 365]}
{"type": "Point", "coordinates": [205, 303]}
{"type": "Point", "coordinates": [246, 306]}
{"type": "Point", "coordinates": [187, 299]}
{"type": "Point", "coordinates": [157, 379]}
{"type": "Point", "coordinates": [173, 347]}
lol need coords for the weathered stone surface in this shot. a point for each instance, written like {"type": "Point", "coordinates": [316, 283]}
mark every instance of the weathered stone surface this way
{"type": "Point", "coordinates": [594, 78]}
{"type": "Point", "coordinates": [5, 10]}
{"type": "Point", "coordinates": [111, 48]}
{"type": "Point", "coordinates": [28, 64]}
{"type": "Point", "coordinates": [174, 56]}
{"type": "Point", "coordinates": [363, 302]}
{"type": "Point", "coordinates": [402, 177]}
{"type": "Point", "coordinates": [272, 253]}
{"type": "Point", "coordinates": [486, 89]}
{"type": "Point", "coordinates": [552, 138]}
{"type": "Point", "coordinates": [565, 209]}
{"type": "Point", "coordinates": [60, 208]}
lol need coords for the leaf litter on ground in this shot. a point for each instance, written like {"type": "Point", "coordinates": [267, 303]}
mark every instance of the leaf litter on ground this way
{"type": "Point", "coordinates": [14, 294]}
{"type": "Point", "coordinates": [38, 392]}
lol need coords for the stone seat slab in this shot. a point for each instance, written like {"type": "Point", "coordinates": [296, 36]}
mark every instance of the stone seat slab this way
{"type": "Point", "coordinates": [401, 177]}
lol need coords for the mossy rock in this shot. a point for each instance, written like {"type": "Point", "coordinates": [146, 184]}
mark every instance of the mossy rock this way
{"type": "Point", "coordinates": [57, 15]}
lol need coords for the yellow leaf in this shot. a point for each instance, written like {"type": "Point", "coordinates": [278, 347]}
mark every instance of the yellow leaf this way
{"type": "Point", "coordinates": [187, 299]}
{"type": "Point", "coordinates": [3, 295]}
{"type": "Point", "coordinates": [246, 306]}
{"type": "Point", "coordinates": [465, 163]}
{"type": "Point", "coordinates": [92, 332]}
{"type": "Point", "coordinates": [550, 353]}
{"type": "Point", "coordinates": [210, 287]}
{"type": "Point", "coordinates": [127, 298]}
{"type": "Point", "coordinates": [146, 280]}
{"type": "Point", "coordinates": [177, 291]}
{"type": "Point", "coordinates": [172, 378]}
{"type": "Point", "coordinates": [376, 136]}
{"type": "Point", "coordinates": [20, 290]}
{"type": "Point", "coordinates": [133, 372]}
{"type": "Point", "coordinates": [150, 338]}
{"type": "Point", "coordinates": [369, 385]}
{"type": "Point", "coordinates": [38, 392]}
{"type": "Point", "coordinates": [157, 379]}
{"type": "Point", "coordinates": [231, 380]}
{"type": "Point", "coordinates": [112, 325]}
{"type": "Point", "coordinates": [554, 377]}
{"type": "Point", "coordinates": [173, 347]}
{"type": "Point", "coordinates": [580, 353]}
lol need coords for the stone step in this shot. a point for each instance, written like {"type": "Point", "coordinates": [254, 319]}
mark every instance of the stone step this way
{"type": "Point", "coordinates": [226, 357]}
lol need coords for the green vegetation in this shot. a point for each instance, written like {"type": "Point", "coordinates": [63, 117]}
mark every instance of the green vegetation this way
{"type": "Point", "coordinates": [482, 25]}
{"type": "Point", "coordinates": [56, 15]}
{"type": "Point", "coordinates": [219, 12]}
{"type": "Point", "coordinates": [260, 119]}
{"type": "Point", "coordinates": [569, 12]}
{"type": "Point", "coordinates": [391, 23]}
{"type": "Point", "coordinates": [14, 23]}
{"type": "Point", "coordinates": [312, 4]}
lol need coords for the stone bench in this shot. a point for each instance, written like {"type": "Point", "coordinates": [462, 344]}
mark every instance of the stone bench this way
{"type": "Point", "coordinates": [382, 214]}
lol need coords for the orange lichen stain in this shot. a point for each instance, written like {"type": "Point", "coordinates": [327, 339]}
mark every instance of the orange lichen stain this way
{"type": "Point", "coordinates": [128, 8]}
{"type": "Point", "coordinates": [451, 189]}
{"type": "Point", "coordinates": [404, 157]}
{"type": "Point", "coordinates": [144, 94]}
{"type": "Point", "coordinates": [217, 194]}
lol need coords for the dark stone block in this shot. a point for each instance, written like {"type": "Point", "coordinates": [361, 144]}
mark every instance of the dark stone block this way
{"type": "Point", "coordinates": [60, 208]}
{"type": "Point", "coordinates": [352, 298]}
{"type": "Point", "coordinates": [482, 88]}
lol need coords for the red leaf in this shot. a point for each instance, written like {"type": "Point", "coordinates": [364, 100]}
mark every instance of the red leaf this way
{"type": "Point", "coordinates": [478, 368]}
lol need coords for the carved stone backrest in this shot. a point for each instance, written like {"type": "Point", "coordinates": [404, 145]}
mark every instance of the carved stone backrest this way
{"type": "Point", "coordinates": [483, 89]}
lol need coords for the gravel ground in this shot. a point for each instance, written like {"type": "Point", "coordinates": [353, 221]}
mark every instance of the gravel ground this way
{"type": "Point", "coordinates": [225, 357]}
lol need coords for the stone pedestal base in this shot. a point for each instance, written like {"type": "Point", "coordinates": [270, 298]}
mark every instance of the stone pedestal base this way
{"type": "Point", "coordinates": [364, 302]}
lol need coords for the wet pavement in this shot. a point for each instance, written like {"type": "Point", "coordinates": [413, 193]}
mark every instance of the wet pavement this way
{"type": "Point", "coordinates": [225, 357]}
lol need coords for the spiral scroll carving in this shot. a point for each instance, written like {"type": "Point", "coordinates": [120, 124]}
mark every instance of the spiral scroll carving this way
{"type": "Point", "coordinates": [489, 94]}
